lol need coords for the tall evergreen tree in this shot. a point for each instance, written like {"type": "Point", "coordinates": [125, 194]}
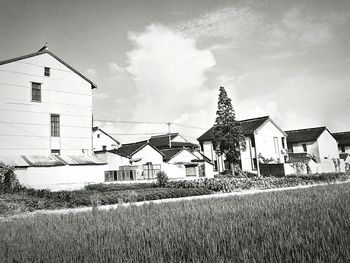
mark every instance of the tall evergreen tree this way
{"type": "Point", "coordinates": [228, 138]}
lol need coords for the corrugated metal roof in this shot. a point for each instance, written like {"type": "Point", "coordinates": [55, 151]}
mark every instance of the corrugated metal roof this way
{"type": "Point", "coordinates": [48, 161]}
{"type": "Point", "coordinates": [81, 160]}
{"type": "Point", "coordinates": [15, 161]}
{"type": "Point", "coordinates": [43, 161]}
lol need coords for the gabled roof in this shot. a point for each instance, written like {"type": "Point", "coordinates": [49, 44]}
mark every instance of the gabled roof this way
{"type": "Point", "coordinates": [129, 149]}
{"type": "Point", "coordinates": [171, 153]}
{"type": "Point", "coordinates": [342, 137]}
{"type": "Point", "coordinates": [305, 135]}
{"type": "Point", "coordinates": [249, 126]}
{"type": "Point", "coordinates": [105, 133]}
{"type": "Point", "coordinates": [162, 141]}
{"type": "Point", "coordinates": [45, 51]}
{"type": "Point", "coordinates": [343, 156]}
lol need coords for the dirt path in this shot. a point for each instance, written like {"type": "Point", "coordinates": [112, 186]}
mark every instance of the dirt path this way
{"type": "Point", "coordinates": [171, 200]}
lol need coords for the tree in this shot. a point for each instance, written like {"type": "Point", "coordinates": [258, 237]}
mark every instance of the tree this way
{"type": "Point", "coordinates": [228, 138]}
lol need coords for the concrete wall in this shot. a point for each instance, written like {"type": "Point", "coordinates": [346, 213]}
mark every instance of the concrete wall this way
{"type": "Point", "coordinates": [65, 177]}
{"type": "Point", "coordinates": [312, 148]}
{"type": "Point", "coordinates": [208, 150]}
{"type": "Point", "coordinates": [25, 125]}
{"type": "Point", "coordinates": [328, 146]}
{"type": "Point", "coordinates": [247, 156]}
{"type": "Point", "coordinates": [174, 171]}
{"type": "Point", "coordinates": [103, 140]}
{"type": "Point", "coordinates": [148, 154]}
{"type": "Point", "coordinates": [113, 160]}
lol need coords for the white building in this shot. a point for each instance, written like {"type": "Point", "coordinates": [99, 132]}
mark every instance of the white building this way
{"type": "Point", "coordinates": [103, 141]}
{"type": "Point", "coordinates": [343, 139]}
{"type": "Point", "coordinates": [318, 142]}
{"type": "Point", "coordinates": [45, 107]}
{"type": "Point", "coordinates": [263, 138]}
{"type": "Point", "coordinates": [46, 122]}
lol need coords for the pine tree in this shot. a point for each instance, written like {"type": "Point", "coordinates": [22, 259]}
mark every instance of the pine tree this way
{"type": "Point", "coordinates": [228, 138]}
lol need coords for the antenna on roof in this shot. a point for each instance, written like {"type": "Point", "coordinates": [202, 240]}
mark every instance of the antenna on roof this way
{"type": "Point", "coordinates": [45, 47]}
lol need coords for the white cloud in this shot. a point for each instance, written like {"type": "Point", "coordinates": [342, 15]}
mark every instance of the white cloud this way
{"type": "Point", "coordinates": [234, 23]}
{"type": "Point", "coordinates": [170, 76]}
{"type": "Point", "coordinates": [115, 68]}
{"type": "Point", "coordinates": [91, 72]}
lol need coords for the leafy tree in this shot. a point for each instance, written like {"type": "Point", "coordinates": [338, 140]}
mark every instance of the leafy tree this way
{"type": "Point", "coordinates": [228, 138]}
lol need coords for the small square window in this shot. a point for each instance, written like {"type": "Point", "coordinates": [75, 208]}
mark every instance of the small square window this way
{"type": "Point", "coordinates": [55, 152]}
{"type": "Point", "coordinates": [98, 136]}
{"type": "Point", "coordinates": [47, 71]}
{"type": "Point", "coordinates": [36, 92]}
{"type": "Point", "coordinates": [104, 147]}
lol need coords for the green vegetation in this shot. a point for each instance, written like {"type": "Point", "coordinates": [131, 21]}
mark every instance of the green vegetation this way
{"type": "Point", "coordinates": [293, 226]}
{"type": "Point", "coordinates": [232, 184]}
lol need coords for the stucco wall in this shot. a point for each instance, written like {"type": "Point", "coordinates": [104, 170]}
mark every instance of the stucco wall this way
{"type": "Point", "coordinates": [312, 148]}
{"type": "Point", "coordinates": [61, 177]}
{"type": "Point", "coordinates": [25, 125]}
{"type": "Point", "coordinates": [148, 154]}
{"type": "Point", "coordinates": [328, 146]}
{"type": "Point", "coordinates": [184, 156]}
{"type": "Point", "coordinates": [267, 145]}
{"type": "Point", "coordinates": [247, 155]}
{"type": "Point", "coordinates": [103, 140]}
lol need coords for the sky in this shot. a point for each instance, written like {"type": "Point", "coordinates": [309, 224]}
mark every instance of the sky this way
{"type": "Point", "coordinates": [164, 61]}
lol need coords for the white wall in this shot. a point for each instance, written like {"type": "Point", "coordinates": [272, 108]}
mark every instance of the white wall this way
{"type": "Point", "coordinates": [328, 146]}
{"type": "Point", "coordinates": [183, 156]}
{"type": "Point", "coordinates": [312, 148]}
{"type": "Point", "coordinates": [100, 139]}
{"type": "Point", "coordinates": [67, 177]}
{"type": "Point", "coordinates": [174, 171]}
{"type": "Point", "coordinates": [25, 125]}
{"type": "Point", "coordinates": [148, 154]}
{"type": "Point", "coordinates": [179, 138]}
{"type": "Point", "coordinates": [113, 160]}
{"type": "Point", "coordinates": [265, 142]}
{"type": "Point", "coordinates": [208, 150]}
{"type": "Point", "coordinates": [247, 155]}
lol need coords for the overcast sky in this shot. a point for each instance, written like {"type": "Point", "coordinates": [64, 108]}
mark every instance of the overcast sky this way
{"type": "Point", "coordinates": [165, 60]}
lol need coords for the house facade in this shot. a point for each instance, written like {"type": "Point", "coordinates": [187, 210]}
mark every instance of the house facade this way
{"type": "Point", "coordinates": [264, 139]}
{"type": "Point", "coordinates": [132, 161]}
{"type": "Point", "coordinates": [343, 139]}
{"type": "Point", "coordinates": [317, 142]}
{"type": "Point", "coordinates": [45, 107]}
{"type": "Point", "coordinates": [103, 141]}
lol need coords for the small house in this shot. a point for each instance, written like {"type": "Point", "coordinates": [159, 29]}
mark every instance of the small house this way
{"type": "Point", "coordinates": [103, 141]}
{"type": "Point", "coordinates": [343, 139]}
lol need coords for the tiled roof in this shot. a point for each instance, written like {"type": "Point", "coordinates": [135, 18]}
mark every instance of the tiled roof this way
{"type": "Point", "coordinates": [129, 149]}
{"type": "Point", "coordinates": [248, 128]}
{"type": "Point", "coordinates": [171, 153]}
{"type": "Point", "coordinates": [342, 137]}
{"type": "Point", "coordinates": [162, 142]}
{"type": "Point", "coordinates": [304, 135]}
{"type": "Point", "coordinates": [45, 51]}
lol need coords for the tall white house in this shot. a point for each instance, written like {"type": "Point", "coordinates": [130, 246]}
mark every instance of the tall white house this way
{"type": "Point", "coordinates": [264, 138]}
{"type": "Point", "coordinates": [45, 107]}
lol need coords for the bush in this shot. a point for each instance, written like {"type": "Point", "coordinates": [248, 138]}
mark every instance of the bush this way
{"type": "Point", "coordinates": [236, 184]}
{"type": "Point", "coordinates": [8, 179]}
{"type": "Point", "coordinates": [162, 179]}
{"type": "Point", "coordinates": [118, 187]}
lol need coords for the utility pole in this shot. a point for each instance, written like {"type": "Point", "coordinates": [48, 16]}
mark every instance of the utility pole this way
{"type": "Point", "coordinates": [169, 123]}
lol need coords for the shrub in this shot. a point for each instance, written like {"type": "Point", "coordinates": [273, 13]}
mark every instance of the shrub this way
{"type": "Point", "coordinates": [162, 179]}
{"type": "Point", "coordinates": [8, 179]}
{"type": "Point", "coordinates": [118, 187]}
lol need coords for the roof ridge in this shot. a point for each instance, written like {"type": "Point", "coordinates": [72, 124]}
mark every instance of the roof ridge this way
{"type": "Point", "coordinates": [253, 119]}
{"type": "Point", "coordinates": [165, 134]}
{"type": "Point", "coordinates": [133, 143]}
{"type": "Point", "coordinates": [323, 127]}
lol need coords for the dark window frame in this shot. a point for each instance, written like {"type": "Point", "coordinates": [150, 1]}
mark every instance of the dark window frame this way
{"type": "Point", "coordinates": [304, 147]}
{"type": "Point", "coordinates": [36, 91]}
{"type": "Point", "coordinates": [56, 152]}
{"type": "Point", "coordinates": [47, 71]}
{"type": "Point", "coordinates": [55, 125]}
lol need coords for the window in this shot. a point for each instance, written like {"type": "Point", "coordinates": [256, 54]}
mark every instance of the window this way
{"type": "Point", "coordinates": [342, 148]}
{"type": "Point", "coordinates": [47, 71]}
{"type": "Point", "coordinates": [215, 165]}
{"type": "Point", "coordinates": [36, 91]}
{"type": "Point", "coordinates": [304, 148]}
{"type": "Point", "coordinates": [104, 147]}
{"type": "Point", "coordinates": [55, 152]}
{"type": "Point", "coordinates": [283, 145]}
{"type": "Point", "coordinates": [290, 148]}
{"type": "Point", "coordinates": [98, 135]}
{"type": "Point", "coordinates": [55, 125]}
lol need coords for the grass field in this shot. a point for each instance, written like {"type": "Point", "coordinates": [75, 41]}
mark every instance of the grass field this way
{"type": "Point", "coordinates": [309, 225]}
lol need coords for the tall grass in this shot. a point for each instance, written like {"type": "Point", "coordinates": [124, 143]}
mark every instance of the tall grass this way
{"type": "Point", "coordinates": [310, 225]}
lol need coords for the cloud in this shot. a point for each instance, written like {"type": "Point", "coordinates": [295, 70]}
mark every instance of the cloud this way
{"type": "Point", "coordinates": [91, 72]}
{"type": "Point", "coordinates": [233, 23]}
{"type": "Point", "coordinates": [115, 68]}
{"type": "Point", "coordinates": [169, 72]}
